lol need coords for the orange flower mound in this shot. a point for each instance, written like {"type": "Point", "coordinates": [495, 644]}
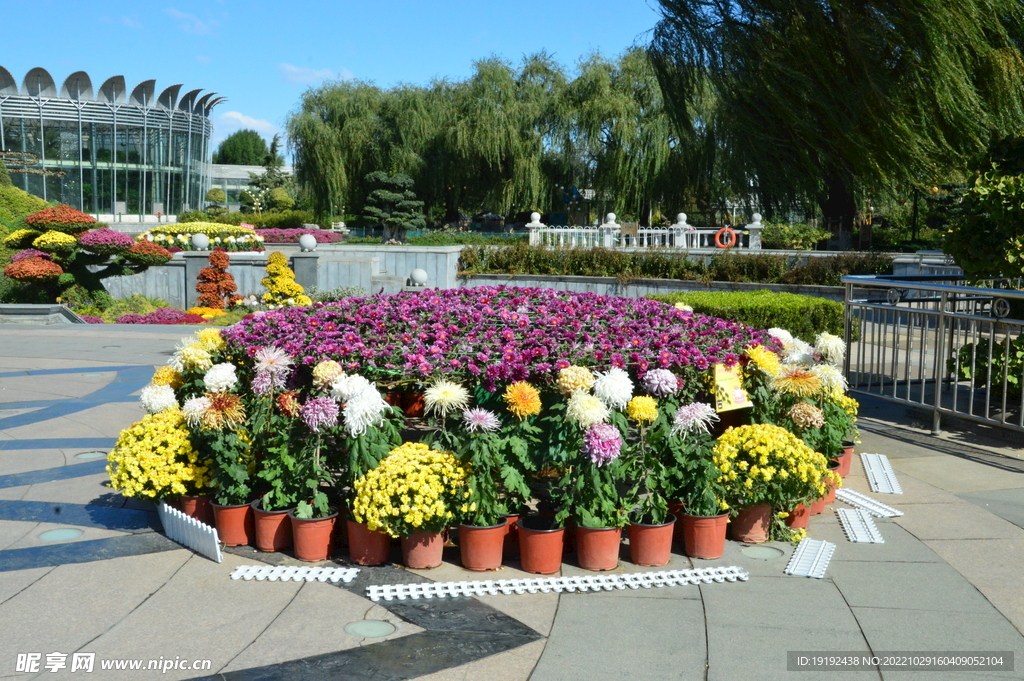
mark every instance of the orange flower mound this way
{"type": "Point", "coordinates": [148, 253]}
{"type": "Point", "coordinates": [33, 269]}
{"type": "Point", "coordinates": [62, 218]}
{"type": "Point", "coordinates": [216, 287]}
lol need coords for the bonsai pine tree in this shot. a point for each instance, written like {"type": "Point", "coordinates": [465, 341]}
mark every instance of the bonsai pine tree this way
{"type": "Point", "coordinates": [215, 199]}
{"type": "Point", "coordinates": [62, 247]}
{"type": "Point", "coordinates": [393, 205]}
{"type": "Point", "coordinates": [215, 285]}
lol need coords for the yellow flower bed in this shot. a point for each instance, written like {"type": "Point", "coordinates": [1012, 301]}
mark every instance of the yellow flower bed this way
{"type": "Point", "coordinates": [154, 458]}
{"type": "Point", "coordinates": [413, 489]}
{"type": "Point", "coordinates": [21, 238]}
{"type": "Point", "coordinates": [55, 242]}
{"type": "Point", "coordinates": [206, 312]}
{"type": "Point", "coordinates": [210, 229]}
{"type": "Point", "coordinates": [761, 463]}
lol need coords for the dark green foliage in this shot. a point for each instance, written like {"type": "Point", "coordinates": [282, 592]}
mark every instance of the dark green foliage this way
{"type": "Point", "coordinates": [393, 205]}
{"type": "Point", "coordinates": [243, 148]}
{"type": "Point", "coordinates": [5, 177]}
{"type": "Point", "coordinates": [1007, 357]}
{"type": "Point", "coordinates": [830, 271]}
{"type": "Point", "coordinates": [799, 237]}
{"type": "Point", "coordinates": [803, 316]}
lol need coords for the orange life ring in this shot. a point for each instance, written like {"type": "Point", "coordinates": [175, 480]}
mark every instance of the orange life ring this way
{"type": "Point", "coordinates": [732, 237]}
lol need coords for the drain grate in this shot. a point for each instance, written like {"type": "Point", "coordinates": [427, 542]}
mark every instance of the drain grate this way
{"type": "Point", "coordinates": [508, 587]}
{"type": "Point", "coordinates": [880, 474]}
{"type": "Point", "coordinates": [875, 508]}
{"type": "Point", "coordinates": [293, 573]}
{"type": "Point", "coordinates": [811, 558]}
{"type": "Point", "coordinates": [859, 526]}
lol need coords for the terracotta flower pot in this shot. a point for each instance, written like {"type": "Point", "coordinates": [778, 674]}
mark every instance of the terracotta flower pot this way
{"type": "Point", "coordinates": [830, 494]}
{"type": "Point", "coordinates": [597, 548]}
{"type": "Point", "coordinates": [235, 526]}
{"type": "Point", "coordinates": [481, 547]}
{"type": "Point", "coordinates": [678, 509]}
{"type": "Point", "coordinates": [413, 404]}
{"type": "Point", "coordinates": [799, 517]}
{"type": "Point", "coordinates": [540, 544]}
{"type": "Point", "coordinates": [510, 544]}
{"type": "Point", "coordinates": [846, 460]}
{"type": "Point", "coordinates": [312, 538]}
{"type": "Point", "coordinates": [651, 545]}
{"type": "Point", "coordinates": [366, 546]}
{"type": "Point", "coordinates": [752, 524]}
{"type": "Point", "coordinates": [704, 536]}
{"type": "Point", "coordinates": [817, 506]}
{"type": "Point", "coordinates": [422, 550]}
{"type": "Point", "coordinates": [197, 507]}
{"type": "Point", "coordinates": [273, 530]}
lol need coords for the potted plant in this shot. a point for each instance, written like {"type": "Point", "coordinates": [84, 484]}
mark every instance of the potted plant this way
{"type": "Point", "coordinates": [651, 525]}
{"type": "Point", "coordinates": [695, 480]}
{"type": "Point", "coordinates": [412, 494]}
{"type": "Point", "coordinates": [766, 468]}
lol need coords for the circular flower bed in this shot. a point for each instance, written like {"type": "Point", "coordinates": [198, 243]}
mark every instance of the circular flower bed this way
{"type": "Point", "coordinates": [291, 236]}
{"type": "Point", "coordinates": [106, 241]}
{"type": "Point", "coordinates": [147, 253]}
{"type": "Point", "coordinates": [496, 334]}
{"type": "Point", "coordinates": [33, 269]}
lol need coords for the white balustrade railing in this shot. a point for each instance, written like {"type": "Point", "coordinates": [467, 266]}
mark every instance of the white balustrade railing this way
{"type": "Point", "coordinates": [612, 235]}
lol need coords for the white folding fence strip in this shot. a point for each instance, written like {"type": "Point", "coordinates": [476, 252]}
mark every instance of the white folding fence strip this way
{"type": "Point", "coordinates": [811, 558]}
{"type": "Point", "coordinates": [872, 506]}
{"type": "Point", "coordinates": [189, 532]}
{"type": "Point", "coordinates": [859, 526]}
{"type": "Point", "coordinates": [581, 583]}
{"type": "Point", "coordinates": [880, 474]}
{"type": "Point", "coordinates": [294, 573]}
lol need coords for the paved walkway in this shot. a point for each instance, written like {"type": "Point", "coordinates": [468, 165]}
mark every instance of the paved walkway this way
{"type": "Point", "coordinates": [947, 578]}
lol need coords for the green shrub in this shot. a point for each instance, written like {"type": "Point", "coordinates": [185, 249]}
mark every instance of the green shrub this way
{"type": "Point", "coordinates": [337, 294]}
{"type": "Point", "coordinates": [5, 178]}
{"type": "Point", "coordinates": [974, 363]}
{"type": "Point", "coordinates": [288, 219]}
{"type": "Point", "coordinates": [803, 316]}
{"type": "Point", "coordinates": [798, 237]}
{"type": "Point", "coordinates": [15, 203]}
{"type": "Point", "coordinates": [136, 304]}
{"type": "Point", "coordinates": [755, 267]}
{"type": "Point", "coordinates": [830, 271]}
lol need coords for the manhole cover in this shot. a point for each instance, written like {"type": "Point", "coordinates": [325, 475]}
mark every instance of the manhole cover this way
{"type": "Point", "coordinates": [762, 552]}
{"type": "Point", "coordinates": [90, 455]}
{"type": "Point", "coordinates": [370, 628]}
{"type": "Point", "coordinates": [61, 535]}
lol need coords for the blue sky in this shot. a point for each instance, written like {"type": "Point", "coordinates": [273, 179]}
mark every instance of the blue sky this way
{"type": "Point", "coordinates": [263, 55]}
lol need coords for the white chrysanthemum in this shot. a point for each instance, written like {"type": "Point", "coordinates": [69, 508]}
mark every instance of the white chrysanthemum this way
{"type": "Point", "coordinates": [221, 378]}
{"type": "Point", "coordinates": [614, 388]}
{"type": "Point", "coordinates": [157, 398]}
{"type": "Point", "coordinates": [783, 335]}
{"type": "Point", "coordinates": [831, 348]}
{"type": "Point", "coordinates": [191, 356]}
{"type": "Point", "coordinates": [347, 386]}
{"type": "Point", "coordinates": [684, 307]}
{"type": "Point", "coordinates": [363, 410]}
{"type": "Point", "coordinates": [585, 409]}
{"type": "Point", "coordinates": [193, 409]}
{"type": "Point", "coordinates": [797, 351]}
{"type": "Point", "coordinates": [692, 418]}
{"type": "Point", "coordinates": [445, 396]}
{"type": "Point", "coordinates": [831, 377]}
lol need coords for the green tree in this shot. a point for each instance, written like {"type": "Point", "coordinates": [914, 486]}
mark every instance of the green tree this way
{"type": "Point", "coordinates": [829, 99]}
{"type": "Point", "coordinates": [215, 199]}
{"type": "Point", "coordinates": [243, 147]}
{"type": "Point", "coordinates": [393, 205]}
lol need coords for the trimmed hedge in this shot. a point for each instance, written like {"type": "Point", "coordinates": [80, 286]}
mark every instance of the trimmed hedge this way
{"type": "Point", "coordinates": [287, 219]}
{"type": "Point", "coordinates": [15, 203]}
{"type": "Point", "coordinates": [803, 316]}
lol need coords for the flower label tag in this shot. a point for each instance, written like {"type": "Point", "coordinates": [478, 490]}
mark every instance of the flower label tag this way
{"type": "Point", "coordinates": [729, 392]}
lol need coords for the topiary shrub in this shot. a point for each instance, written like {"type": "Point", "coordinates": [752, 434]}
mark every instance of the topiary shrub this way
{"type": "Point", "coordinates": [147, 253]}
{"type": "Point", "coordinates": [803, 316]}
{"type": "Point", "coordinates": [215, 286]}
{"type": "Point", "coordinates": [61, 218]}
{"type": "Point", "coordinates": [282, 289]}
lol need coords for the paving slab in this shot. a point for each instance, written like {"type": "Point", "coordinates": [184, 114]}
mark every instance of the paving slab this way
{"type": "Point", "coordinates": [1008, 504]}
{"type": "Point", "coordinates": [958, 475]}
{"type": "Point", "coordinates": [994, 567]}
{"type": "Point", "coordinates": [900, 546]}
{"type": "Point", "coordinates": [906, 587]}
{"type": "Point", "coordinates": [956, 521]}
{"type": "Point", "coordinates": [87, 489]}
{"type": "Point", "coordinates": [645, 639]}
{"type": "Point", "coordinates": [22, 460]}
{"type": "Point", "coordinates": [15, 582]}
{"type": "Point", "coordinates": [513, 665]}
{"type": "Point", "coordinates": [31, 539]}
{"type": "Point", "coordinates": [96, 421]}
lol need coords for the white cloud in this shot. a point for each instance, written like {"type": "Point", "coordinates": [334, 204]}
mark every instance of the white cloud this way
{"type": "Point", "coordinates": [302, 74]}
{"type": "Point", "coordinates": [131, 22]}
{"type": "Point", "coordinates": [236, 120]}
{"type": "Point", "coordinates": [190, 23]}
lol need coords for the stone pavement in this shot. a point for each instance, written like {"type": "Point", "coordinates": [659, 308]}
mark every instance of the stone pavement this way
{"type": "Point", "coordinates": [947, 578]}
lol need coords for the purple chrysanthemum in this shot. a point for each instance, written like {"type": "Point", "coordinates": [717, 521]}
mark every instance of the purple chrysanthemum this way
{"type": "Point", "coordinates": [30, 253]}
{"type": "Point", "coordinates": [602, 443]}
{"type": "Point", "coordinates": [693, 417]}
{"type": "Point", "coordinates": [480, 421]}
{"type": "Point", "coordinates": [319, 412]}
{"type": "Point", "coordinates": [661, 382]}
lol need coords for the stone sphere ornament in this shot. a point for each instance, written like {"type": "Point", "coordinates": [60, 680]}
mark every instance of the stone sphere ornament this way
{"type": "Point", "coordinates": [200, 242]}
{"type": "Point", "coordinates": [418, 277]}
{"type": "Point", "coordinates": [307, 242]}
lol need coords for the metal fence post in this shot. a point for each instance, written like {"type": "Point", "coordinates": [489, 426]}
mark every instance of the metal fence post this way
{"type": "Point", "coordinates": [940, 330]}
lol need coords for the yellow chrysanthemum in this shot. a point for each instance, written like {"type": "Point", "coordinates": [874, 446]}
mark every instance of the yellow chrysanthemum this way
{"type": "Point", "coordinates": [797, 381]}
{"type": "Point", "coordinates": [206, 312]}
{"type": "Point", "coordinates": [764, 359]}
{"type": "Point", "coordinates": [522, 399]}
{"type": "Point", "coordinates": [154, 458]}
{"type": "Point", "coordinates": [55, 242]}
{"type": "Point", "coordinates": [210, 340]}
{"type": "Point", "coordinates": [574, 378]}
{"type": "Point", "coordinates": [168, 375]}
{"type": "Point", "coordinates": [325, 372]}
{"type": "Point", "coordinates": [642, 408]}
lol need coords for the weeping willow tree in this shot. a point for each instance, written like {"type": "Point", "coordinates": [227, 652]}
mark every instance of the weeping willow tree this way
{"type": "Point", "coordinates": [827, 99]}
{"type": "Point", "coordinates": [505, 139]}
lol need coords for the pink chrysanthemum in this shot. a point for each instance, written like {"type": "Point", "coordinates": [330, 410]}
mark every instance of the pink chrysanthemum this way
{"type": "Point", "coordinates": [319, 412]}
{"type": "Point", "coordinates": [480, 421]}
{"type": "Point", "coordinates": [602, 443]}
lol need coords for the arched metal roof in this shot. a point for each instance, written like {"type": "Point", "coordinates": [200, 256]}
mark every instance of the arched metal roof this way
{"type": "Point", "coordinates": [77, 86]}
{"type": "Point", "coordinates": [39, 83]}
{"type": "Point", "coordinates": [8, 86]}
{"type": "Point", "coordinates": [143, 94]}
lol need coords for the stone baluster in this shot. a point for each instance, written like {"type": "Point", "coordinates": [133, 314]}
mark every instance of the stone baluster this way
{"type": "Point", "coordinates": [754, 230]}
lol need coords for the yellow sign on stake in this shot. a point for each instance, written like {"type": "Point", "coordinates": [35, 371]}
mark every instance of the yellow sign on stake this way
{"type": "Point", "coordinates": [729, 392]}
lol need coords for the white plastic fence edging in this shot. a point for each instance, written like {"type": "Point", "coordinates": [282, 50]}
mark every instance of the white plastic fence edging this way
{"type": "Point", "coordinates": [581, 583]}
{"type": "Point", "coordinates": [811, 558]}
{"type": "Point", "coordinates": [872, 506]}
{"type": "Point", "coordinates": [859, 526]}
{"type": "Point", "coordinates": [189, 532]}
{"type": "Point", "coordinates": [294, 573]}
{"type": "Point", "coordinates": [881, 476]}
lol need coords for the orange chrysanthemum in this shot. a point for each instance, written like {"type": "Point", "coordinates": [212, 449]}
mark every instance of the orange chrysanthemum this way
{"type": "Point", "coordinates": [522, 399]}
{"type": "Point", "coordinates": [796, 381]}
{"type": "Point", "coordinates": [225, 410]}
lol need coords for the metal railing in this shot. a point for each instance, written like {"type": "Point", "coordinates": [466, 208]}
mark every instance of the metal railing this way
{"type": "Point", "coordinates": [936, 343]}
